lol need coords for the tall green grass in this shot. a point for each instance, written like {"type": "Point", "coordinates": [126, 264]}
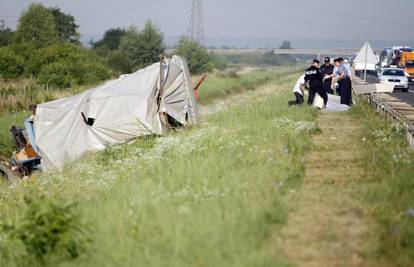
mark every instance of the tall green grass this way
{"type": "Point", "coordinates": [16, 96]}
{"type": "Point", "coordinates": [225, 84]}
{"type": "Point", "coordinates": [208, 196]}
{"type": "Point", "coordinates": [390, 166]}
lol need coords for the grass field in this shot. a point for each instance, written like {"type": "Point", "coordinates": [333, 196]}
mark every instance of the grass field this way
{"type": "Point", "coordinates": [203, 197]}
{"type": "Point", "coordinates": [389, 193]}
{"type": "Point", "coordinates": [229, 192]}
{"type": "Point", "coordinates": [221, 85]}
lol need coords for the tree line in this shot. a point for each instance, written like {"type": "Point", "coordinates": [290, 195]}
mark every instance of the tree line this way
{"type": "Point", "coordinates": [46, 47]}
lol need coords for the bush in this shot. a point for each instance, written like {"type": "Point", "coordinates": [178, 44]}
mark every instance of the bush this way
{"type": "Point", "coordinates": [45, 231]}
{"type": "Point", "coordinates": [57, 74]}
{"type": "Point", "coordinates": [25, 50]}
{"type": "Point", "coordinates": [11, 65]}
{"type": "Point", "coordinates": [65, 75]}
{"type": "Point", "coordinates": [198, 59]}
{"type": "Point", "coordinates": [67, 64]}
{"type": "Point", "coordinates": [119, 62]}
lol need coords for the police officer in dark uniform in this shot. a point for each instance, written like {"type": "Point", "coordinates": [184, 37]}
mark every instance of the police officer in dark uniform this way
{"type": "Point", "coordinates": [327, 71]}
{"type": "Point", "coordinates": [314, 77]}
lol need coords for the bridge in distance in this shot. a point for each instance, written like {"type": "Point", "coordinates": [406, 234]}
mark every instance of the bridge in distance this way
{"type": "Point", "coordinates": [315, 52]}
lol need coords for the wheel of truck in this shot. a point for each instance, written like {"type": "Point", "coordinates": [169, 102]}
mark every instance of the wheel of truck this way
{"type": "Point", "coordinates": [7, 174]}
{"type": "Point", "coordinates": [405, 90]}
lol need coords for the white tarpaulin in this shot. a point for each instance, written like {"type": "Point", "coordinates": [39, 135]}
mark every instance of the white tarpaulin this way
{"type": "Point", "coordinates": [333, 105]}
{"type": "Point", "coordinates": [114, 113]}
{"type": "Point", "coordinates": [366, 56]}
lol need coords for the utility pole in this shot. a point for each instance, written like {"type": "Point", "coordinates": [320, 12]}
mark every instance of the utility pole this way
{"type": "Point", "coordinates": [196, 27]}
{"type": "Point", "coordinates": [366, 61]}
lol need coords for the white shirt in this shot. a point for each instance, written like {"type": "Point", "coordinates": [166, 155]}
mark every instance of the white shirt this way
{"type": "Point", "coordinates": [299, 82]}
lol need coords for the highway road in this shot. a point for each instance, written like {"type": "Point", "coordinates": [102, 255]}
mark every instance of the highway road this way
{"type": "Point", "coordinates": [406, 97]}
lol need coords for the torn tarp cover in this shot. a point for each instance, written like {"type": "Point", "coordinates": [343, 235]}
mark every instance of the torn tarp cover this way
{"type": "Point", "coordinates": [113, 113]}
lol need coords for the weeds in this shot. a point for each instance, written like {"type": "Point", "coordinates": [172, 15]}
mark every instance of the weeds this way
{"type": "Point", "coordinates": [43, 231]}
{"type": "Point", "coordinates": [224, 84]}
{"type": "Point", "coordinates": [389, 162]}
{"type": "Point", "coordinates": [207, 196]}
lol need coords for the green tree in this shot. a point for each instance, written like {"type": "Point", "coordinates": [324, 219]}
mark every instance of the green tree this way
{"type": "Point", "coordinates": [119, 62]}
{"type": "Point", "coordinates": [11, 65]}
{"type": "Point", "coordinates": [110, 40]}
{"type": "Point", "coordinates": [6, 34]}
{"type": "Point", "coordinates": [143, 47]}
{"type": "Point", "coordinates": [285, 45]}
{"type": "Point", "coordinates": [65, 25]}
{"type": "Point", "coordinates": [129, 45]}
{"type": "Point", "coordinates": [37, 26]}
{"type": "Point", "coordinates": [151, 43]}
{"type": "Point", "coordinates": [198, 59]}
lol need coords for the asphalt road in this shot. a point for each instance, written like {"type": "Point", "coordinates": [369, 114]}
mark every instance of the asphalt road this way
{"type": "Point", "coordinates": [407, 97]}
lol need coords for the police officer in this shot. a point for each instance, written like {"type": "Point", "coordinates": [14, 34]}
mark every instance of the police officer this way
{"type": "Point", "coordinates": [327, 70]}
{"type": "Point", "coordinates": [314, 77]}
{"type": "Point", "coordinates": [345, 83]}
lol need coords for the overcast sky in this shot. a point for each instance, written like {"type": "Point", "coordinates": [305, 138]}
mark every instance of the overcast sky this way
{"type": "Point", "coordinates": [275, 19]}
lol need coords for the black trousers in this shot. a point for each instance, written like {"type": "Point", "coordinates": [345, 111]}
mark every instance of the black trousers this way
{"type": "Point", "coordinates": [346, 91]}
{"type": "Point", "coordinates": [321, 92]}
{"type": "Point", "coordinates": [299, 100]}
{"type": "Point", "coordinates": [327, 86]}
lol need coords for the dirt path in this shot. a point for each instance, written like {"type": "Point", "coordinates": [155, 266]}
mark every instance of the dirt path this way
{"type": "Point", "coordinates": [327, 226]}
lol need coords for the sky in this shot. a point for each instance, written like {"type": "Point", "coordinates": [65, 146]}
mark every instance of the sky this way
{"type": "Point", "coordinates": [245, 22]}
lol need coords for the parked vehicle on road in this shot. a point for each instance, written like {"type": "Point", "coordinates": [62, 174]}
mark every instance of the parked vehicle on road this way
{"type": "Point", "coordinates": [396, 77]}
{"type": "Point", "coordinates": [407, 63]}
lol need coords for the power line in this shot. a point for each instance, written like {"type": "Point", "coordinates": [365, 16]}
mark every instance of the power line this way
{"type": "Point", "coordinates": [347, 15]}
{"type": "Point", "coordinates": [307, 22]}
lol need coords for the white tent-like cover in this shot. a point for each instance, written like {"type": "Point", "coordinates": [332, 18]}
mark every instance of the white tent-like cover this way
{"type": "Point", "coordinates": [116, 112]}
{"type": "Point", "coordinates": [366, 55]}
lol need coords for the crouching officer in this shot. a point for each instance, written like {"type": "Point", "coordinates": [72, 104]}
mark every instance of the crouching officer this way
{"type": "Point", "coordinates": [298, 90]}
{"type": "Point", "coordinates": [327, 70]}
{"type": "Point", "coordinates": [314, 77]}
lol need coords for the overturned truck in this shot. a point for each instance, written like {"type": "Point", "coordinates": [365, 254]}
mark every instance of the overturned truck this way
{"type": "Point", "coordinates": [146, 102]}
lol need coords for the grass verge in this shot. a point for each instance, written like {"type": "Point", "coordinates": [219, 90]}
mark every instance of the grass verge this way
{"type": "Point", "coordinates": [222, 85]}
{"type": "Point", "coordinates": [201, 197]}
{"type": "Point", "coordinates": [390, 165]}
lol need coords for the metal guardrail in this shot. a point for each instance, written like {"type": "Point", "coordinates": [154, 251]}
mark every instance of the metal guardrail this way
{"type": "Point", "coordinates": [393, 108]}
{"type": "Point", "coordinates": [390, 107]}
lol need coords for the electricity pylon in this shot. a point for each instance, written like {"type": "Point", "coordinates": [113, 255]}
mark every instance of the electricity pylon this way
{"type": "Point", "coordinates": [196, 27]}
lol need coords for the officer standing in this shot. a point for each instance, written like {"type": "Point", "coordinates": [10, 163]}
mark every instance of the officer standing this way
{"type": "Point", "coordinates": [314, 76]}
{"type": "Point", "coordinates": [345, 83]}
{"type": "Point", "coordinates": [327, 70]}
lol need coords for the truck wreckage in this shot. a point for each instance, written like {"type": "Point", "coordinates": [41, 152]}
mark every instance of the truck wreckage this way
{"type": "Point", "coordinates": [147, 102]}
